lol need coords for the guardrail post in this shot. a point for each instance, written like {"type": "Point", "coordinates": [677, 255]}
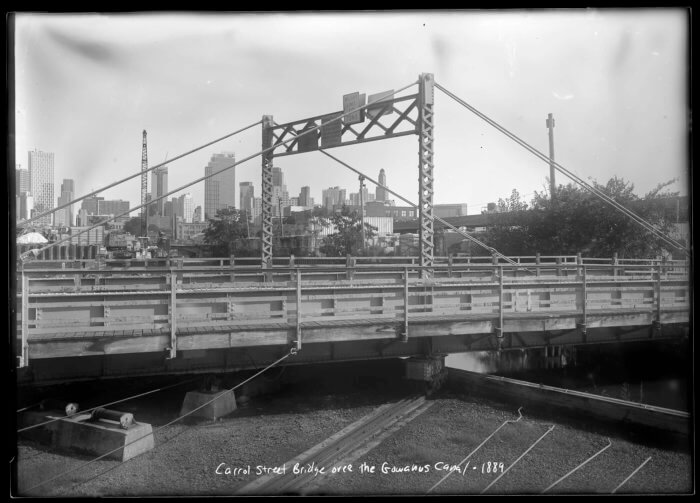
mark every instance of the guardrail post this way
{"type": "Point", "coordinates": [350, 266]}
{"type": "Point", "coordinates": [537, 263]}
{"type": "Point", "coordinates": [291, 264]}
{"type": "Point", "coordinates": [172, 312]}
{"type": "Point", "coordinates": [558, 260]}
{"type": "Point", "coordinates": [267, 269]}
{"type": "Point", "coordinates": [579, 261]}
{"type": "Point", "coordinates": [656, 324]}
{"type": "Point", "coordinates": [614, 263]}
{"type": "Point", "coordinates": [499, 329]}
{"type": "Point", "coordinates": [297, 342]}
{"type": "Point", "coordinates": [24, 358]}
{"type": "Point", "coordinates": [584, 305]}
{"type": "Point", "coordinates": [232, 265]}
{"type": "Point", "coordinates": [449, 266]}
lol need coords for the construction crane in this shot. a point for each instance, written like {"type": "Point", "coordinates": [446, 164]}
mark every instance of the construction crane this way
{"type": "Point", "coordinates": [144, 185]}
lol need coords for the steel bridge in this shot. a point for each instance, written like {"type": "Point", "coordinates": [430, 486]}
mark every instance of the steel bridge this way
{"type": "Point", "coordinates": [90, 320]}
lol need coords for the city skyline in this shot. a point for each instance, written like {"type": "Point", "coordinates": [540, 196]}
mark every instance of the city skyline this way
{"type": "Point", "coordinates": [615, 81]}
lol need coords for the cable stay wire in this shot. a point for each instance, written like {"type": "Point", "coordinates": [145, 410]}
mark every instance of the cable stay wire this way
{"type": "Point", "coordinates": [602, 195]}
{"type": "Point", "coordinates": [291, 352]}
{"type": "Point", "coordinates": [139, 173]}
{"type": "Point", "coordinates": [110, 403]}
{"type": "Point", "coordinates": [492, 250]}
{"type": "Point", "coordinates": [310, 130]}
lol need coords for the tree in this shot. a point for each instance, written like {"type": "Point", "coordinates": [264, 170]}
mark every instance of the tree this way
{"type": "Point", "coordinates": [134, 226]}
{"type": "Point", "coordinates": [228, 232]}
{"type": "Point", "coordinates": [579, 221]}
{"type": "Point", "coordinates": [347, 238]}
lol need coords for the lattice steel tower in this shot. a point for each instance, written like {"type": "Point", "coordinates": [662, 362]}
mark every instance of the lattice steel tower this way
{"type": "Point", "coordinates": [144, 184]}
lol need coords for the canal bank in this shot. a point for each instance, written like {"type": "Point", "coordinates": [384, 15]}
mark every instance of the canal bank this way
{"type": "Point", "coordinates": [652, 373]}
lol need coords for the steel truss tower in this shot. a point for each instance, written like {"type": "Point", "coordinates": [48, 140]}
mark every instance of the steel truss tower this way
{"type": "Point", "coordinates": [144, 184]}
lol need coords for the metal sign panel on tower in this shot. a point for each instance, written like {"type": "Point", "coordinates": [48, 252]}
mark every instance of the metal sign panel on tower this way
{"type": "Point", "coordinates": [308, 142]}
{"type": "Point", "coordinates": [330, 131]}
{"type": "Point", "coordinates": [352, 102]}
{"type": "Point", "coordinates": [377, 98]}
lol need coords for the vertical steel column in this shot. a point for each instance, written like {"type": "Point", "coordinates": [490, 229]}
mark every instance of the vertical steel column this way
{"type": "Point", "coordinates": [24, 358]}
{"type": "Point", "coordinates": [426, 83]}
{"type": "Point", "coordinates": [266, 244]}
{"type": "Point", "coordinates": [297, 343]}
{"type": "Point", "coordinates": [404, 335]}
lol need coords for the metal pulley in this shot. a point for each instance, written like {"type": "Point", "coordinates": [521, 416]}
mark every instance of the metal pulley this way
{"type": "Point", "coordinates": [125, 419]}
{"type": "Point", "coordinates": [70, 408]}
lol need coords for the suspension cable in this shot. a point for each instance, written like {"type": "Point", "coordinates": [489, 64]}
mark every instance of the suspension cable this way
{"type": "Point", "coordinates": [111, 403]}
{"type": "Point", "coordinates": [94, 192]}
{"type": "Point", "coordinates": [442, 221]}
{"type": "Point", "coordinates": [602, 195]}
{"type": "Point", "coordinates": [291, 352]}
{"type": "Point", "coordinates": [292, 138]}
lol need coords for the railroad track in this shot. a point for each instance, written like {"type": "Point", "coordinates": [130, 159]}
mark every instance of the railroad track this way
{"type": "Point", "coordinates": [308, 470]}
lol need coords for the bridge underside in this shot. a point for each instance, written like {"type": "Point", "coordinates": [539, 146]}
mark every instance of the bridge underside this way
{"type": "Point", "coordinates": [218, 352]}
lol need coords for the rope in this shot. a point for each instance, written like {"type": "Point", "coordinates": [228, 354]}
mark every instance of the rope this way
{"type": "Point", "coordinates": [308, 131]}
{"type": "Point", "coordinates": [520, 416]}
{"type": "Point", "coordinates": [291, 352]}
{"type": "Point", "coordinates": [49, 212]}
{"type": "Point", "coordinates": [107, 404]}
{"type": "Point", "coordinates": [442, 221]}
{"type": "Point", "coordinates": [636, 218]}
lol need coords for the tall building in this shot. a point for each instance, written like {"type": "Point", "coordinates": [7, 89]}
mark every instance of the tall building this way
{"type": "Point", "coordinates": [247, 197]}
{"type": "Point", "coordinates": [65, 216]}
{"type": "Point", "coordinates": [26, 205]}
{"type": "Point", "coordinates": [197, 215]}
{"type": "Point", "coordinates": [305, 196]}
{"type": "Point", "coordinates": [381, 193]}
{"type": "Point", "coordinates": [21, 180]}
{"type": "Point", "coordinates": [159, 187]}
{"type": "Point", "coordinates": [41, 183]}
{"type": "Point", "coordinates": [186, 207]}
{"type": "Point", "coordinates": [277, 177]}
{"type": "Point", "coordinates": [98, 206]}
{"type": "Point", "coordinates": [333, 197]}
{"type": "Point", "coordinates": [220, 189]}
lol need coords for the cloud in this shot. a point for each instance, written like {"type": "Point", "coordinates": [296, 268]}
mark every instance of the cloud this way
{"type": "Point", "coordinates": [567, 96]}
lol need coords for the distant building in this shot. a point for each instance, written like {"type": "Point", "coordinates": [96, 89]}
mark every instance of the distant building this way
{"type": "Point", "coordinates": [449, 210]}
{"type": "Point", "coordinates": [41, 183]}
{"type": "Point", "coordinates": [184, 231]}
{"type": "Point", "coordinates": [247, 198]}
{"type": "Point", "coordinates": [22, 181]}
{"type": "Point", "coordinates": [197, 216]}
{"type": "Point", "coordinates": [381, 193]}
{"type": "Point", "coordinates": [305, 196]}
{"type": "Point", "coordinates": [95, 205]}
{"type": "Point", "coordinates": [219, 189]}
{"type": "Point", "coordinates": [65, 216]}
{"type": "Point", "coordinates": [26, 205]}
{"type": "Point", "coordinates": [333, 197]}
{"type": "Point", "coordinates": [159, 187]}
{"type": "Point", "coordinates": [186, 203]}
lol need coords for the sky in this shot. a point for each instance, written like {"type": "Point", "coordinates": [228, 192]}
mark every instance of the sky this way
{"type": "Point", "coordinates": [616, 81]}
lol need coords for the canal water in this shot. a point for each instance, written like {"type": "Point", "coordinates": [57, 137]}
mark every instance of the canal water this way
{"type": "Point", "coordinates": [650, 373]}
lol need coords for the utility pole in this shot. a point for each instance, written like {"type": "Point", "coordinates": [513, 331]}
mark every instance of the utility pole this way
{"type": "Point", "coordinates": [362, 209]}
{"type": "Point", "coordinates": [552, 183]}
{"type": "Point", "coordinates": [279, 204]}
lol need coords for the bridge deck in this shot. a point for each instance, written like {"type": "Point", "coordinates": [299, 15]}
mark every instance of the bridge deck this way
{"type": "Point", "coordinates": [91, 313]}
